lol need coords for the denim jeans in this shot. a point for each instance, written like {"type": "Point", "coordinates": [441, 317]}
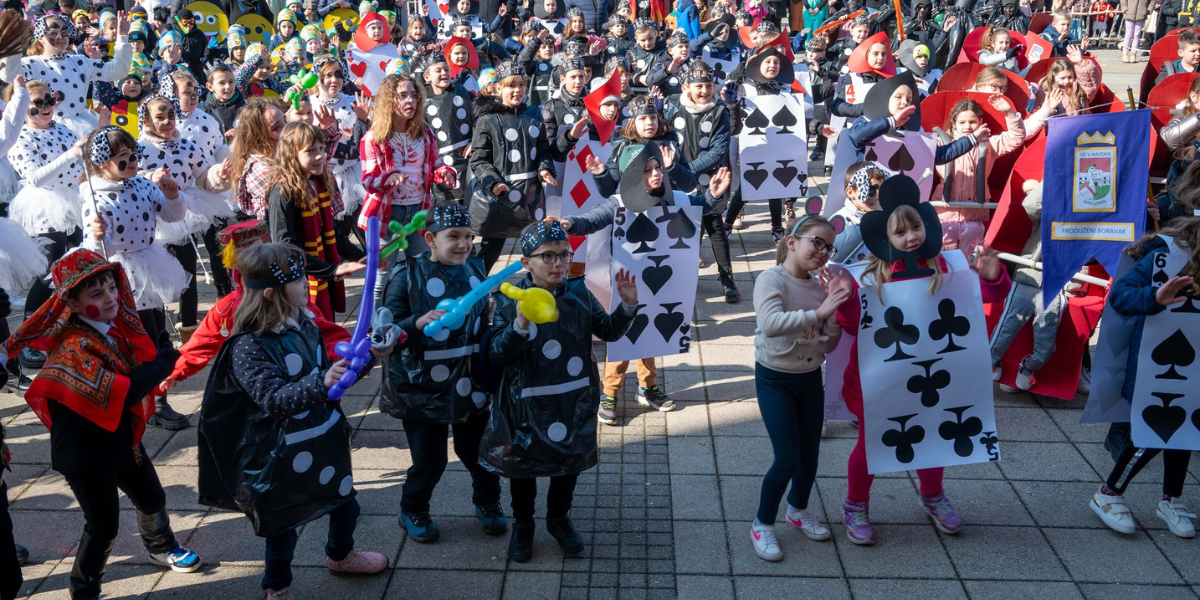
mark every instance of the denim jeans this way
{"type": "Point", "coordinates": [793, 409]}
{"type": "Point", "coordinates": [278, 572]}
{"type": "Point", "coordinates": [402, 214]}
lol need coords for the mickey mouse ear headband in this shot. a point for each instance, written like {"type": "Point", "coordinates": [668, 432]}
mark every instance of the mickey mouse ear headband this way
{"type": "Point", "coordinates": [876, 104]}
{"type": "Point", "coordinates": [897, 192]}
{"type": "Point", "coordinates": [100, 150]}
{"type": "Point", "coordinates": [40, 27]}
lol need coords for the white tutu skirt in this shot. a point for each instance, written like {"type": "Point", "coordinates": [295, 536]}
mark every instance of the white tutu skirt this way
{"type": "Point", "coordinates": [349, 182]}
{"type": "Point", "coordinates": [43, 210]}
{"type": "Point", "coordinates": [10, 182]}
{"type": "Point", "coordinates": [204, 208]}
{"type": "Point", "coordinates": [82, 124]}
{"type": "Point", "coordinates": [21, 258]}
{"type": "Point", "coordinates": [155, 275]}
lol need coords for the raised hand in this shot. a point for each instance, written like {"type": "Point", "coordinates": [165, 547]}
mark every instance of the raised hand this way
{"type": "Point", "coordinates": [595, 166]}
{"type": "Point", "coordinates": [324, 116]}
{"type": "Point", "coordinates": [347, 268]}
{"type": "Point", "coordinates": [719, 184]}
{"type": "Point", "coordinates": [1169, 294]}
{"type": "Point", "coordinates": [838, 289]}
{"type": "Point", "coordinates": [668, 155]}
{"type": "Point", "coordinates": [626, 286]}
{"type": "Point", "coordinates": [987, 264]}
{"type": "Point", "coordinates": [579, 129]}
{"type": "Point", "coordinates": [903, 116]}
{"type": "Point", "coordinates": [566, 225]}
{"type": "Point", "coordinates": [123, 23]}
{"type": "Point", "coordinates": [1000, 103]}
{"type": "Point", "coordinates": [1074, 54]}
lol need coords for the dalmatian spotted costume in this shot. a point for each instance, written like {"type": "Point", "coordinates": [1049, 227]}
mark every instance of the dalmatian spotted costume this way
{"type": "Point", "coordinates": [132, 208]}
{"type": "Point", "coordinates": [49, 201]}
{"type": "Point", "coordinates": [70, 74]}
{"type": "Point", "coordinates": [196, 181]}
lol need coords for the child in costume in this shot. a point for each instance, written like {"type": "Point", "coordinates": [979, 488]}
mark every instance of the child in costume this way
{"type": "Point", "coordinates": [128, 205]}
{"type": "Point", "coordinates": [796, 305]}
{"type": "Point", "coordinates": [450, 113]}
{"type": "Point", "coordinates": [429, 383]}
{"type": "Point", "coordinates": [863, 179]}
{"type": "Point", "coordinates": [93, 396]}
{"type": "Point", "coordinates": [543, 422]}
{"type": "Point", "coordinates": [300, 208]}
{"type": "Point", "coordinates": [891, 236]}
{"type": "Point", "coordinates": [349, 112]}
{"type": "Point", "coordinates": [267, 403]}
{"type": "Point", "coordinates": [997, 50]}
{"type": "Point", "coordinates": [256, 139]}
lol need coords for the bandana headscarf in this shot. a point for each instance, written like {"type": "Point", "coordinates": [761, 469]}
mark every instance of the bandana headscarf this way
{"type": "Point", "coordinates": [40, 27]}
{"type": "Point", "coordinates": [543, 234]}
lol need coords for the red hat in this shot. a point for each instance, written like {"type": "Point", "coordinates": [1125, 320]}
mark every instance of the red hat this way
{"type": "Point", "coordinates": [239, 237]}
{"type": "Point", "coordinates": [858, 58]}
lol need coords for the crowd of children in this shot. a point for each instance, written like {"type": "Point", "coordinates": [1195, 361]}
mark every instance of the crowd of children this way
{"type": "Point", "coordinates": [135, 138]}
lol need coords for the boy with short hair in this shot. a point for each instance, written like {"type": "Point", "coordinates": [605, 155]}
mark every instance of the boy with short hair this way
{"type": "Point", "coordinates": [224, 100]}
{"type": "Point", "coordinates": [1189, 56]}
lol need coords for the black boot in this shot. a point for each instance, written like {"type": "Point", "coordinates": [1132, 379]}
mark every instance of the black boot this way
{"type": "Point", "coordinates": [22, 554]}
{"type": "Point", "coordinates": [31, 362]}
{"type": "Point", "coordinates": [520, 545]}
{"type": "Point", "coordinates": [564, 532]}
{"type": "Point", "coordinates": [731, 292]}
{"type": "Point", "coordinates": [90, 561]}
{"type": "Point", "coordinates": [166, 417]}
{"type": "Point", "coordinates": [155, 529]}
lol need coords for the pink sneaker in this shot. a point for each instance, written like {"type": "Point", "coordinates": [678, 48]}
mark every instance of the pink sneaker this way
{"type": "Point", "coordinates": [858, 525]}
{"type": "Point", "coordinates": [943, 514]}
{"type": "Point", "coordinates": [358, 562]}
{"type": "Point", "coordinates": [284, 594]}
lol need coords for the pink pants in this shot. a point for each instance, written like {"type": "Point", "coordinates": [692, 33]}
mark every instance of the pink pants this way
{"type": "Point", "coordinates": [963, 235]}
{"type": "Point", "coordinates": [1133, 33]}
{"type": "Point", "coordinates": [858, 480]}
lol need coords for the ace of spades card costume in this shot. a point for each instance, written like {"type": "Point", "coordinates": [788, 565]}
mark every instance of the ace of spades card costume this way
{"type": "Point", "coordinates": [271, 443]}
{"type": "Point", "coordinates": [933, 343]}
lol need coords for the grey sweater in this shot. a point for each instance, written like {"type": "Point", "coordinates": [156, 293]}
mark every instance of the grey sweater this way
{"type": "Point", "coordinates": [789, 337]}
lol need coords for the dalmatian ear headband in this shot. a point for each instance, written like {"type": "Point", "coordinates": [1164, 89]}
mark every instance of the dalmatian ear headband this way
{"type": "Point", "coordinates": [101, 151]}
{"type": "Point", "coordinates": [144, 106]}
{"type": "Point", "coordinates": [279, 277]}
{"type": "Point", "coordinates": [40, 27]}
{"type": "Point", "coordinates": [862, 181]}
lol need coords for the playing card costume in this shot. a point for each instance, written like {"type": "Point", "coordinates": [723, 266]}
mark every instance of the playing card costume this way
{"type": "Point", "coordinates": [92, 394]}
{"type": "Point", "coordinates": [889, 438]}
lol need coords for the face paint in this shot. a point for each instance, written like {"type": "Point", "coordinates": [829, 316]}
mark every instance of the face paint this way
{"type": "Point", "coordinates": [122, 165]}
{"type": "Point", "coordinates": [92, 312]}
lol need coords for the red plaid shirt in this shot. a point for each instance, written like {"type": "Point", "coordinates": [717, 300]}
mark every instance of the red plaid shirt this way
{"type": "Point", "coordinates": [252, 187]}
{"type": "Point", "coordinates": [377, 166]}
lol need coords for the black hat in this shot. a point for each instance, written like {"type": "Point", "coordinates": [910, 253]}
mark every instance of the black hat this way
{"type": "Point", "coordinates": [725, 19]}
{"type": "Point", "coordinates": [698, 72]}
{"type": "Point", "coordinates": [445, 215]}
{"type": "Point", "coordinates": [509, 68]}
{"type": "Point", "coordinates": [875, 105]}
{"type": "Point", "coordinates": [678, 38]}
{"type": "Point", "coordinates": [787, 72]}
{"type": "Point", "coordinates": [642, 105]}
{"type": "Point", "coordinates": [909, 61]}
{"type": "Point", "coordinates": [896, 191]}
{"type": "Point", "coordinates": [633, 193]}
{"type": "Point", "coordinates": [542, 234]}
{"type": "Point", "coordinates": [185, 13]}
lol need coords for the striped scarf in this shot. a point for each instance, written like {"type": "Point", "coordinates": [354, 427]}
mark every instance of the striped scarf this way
{"type": "Point", "coordinates": [320, 241]}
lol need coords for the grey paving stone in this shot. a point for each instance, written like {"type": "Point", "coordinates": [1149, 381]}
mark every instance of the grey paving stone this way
{"type": "Point", "coordinates": [1060, 504]}
{"type": "Point", "coordinates": [228, 581]}
{"type": "Point", "coordinates": [1044, 462]}
{"type": "Point", "coordinates": [688, 419]}
{"type": "Point", "coordinates": [1181, 552]}
{"type": "Point", "coordinates": [698, 548]}
{"type": "Point", "coordinates": [743, 456]}
{"type": "Point", "coordinates": [1114, 592]}
{"type": "Point", "coordinates": [227, 538]}
{"type": "Point", "coordinates": [48, 492]}
{"type": "Point", "coordinates": [49, 535]}
{"type": "Point", "coordinates": [1027, 425]}
{"type": "Point", "coordinates": [422, 584]}
{"type": "Point", "coordinates": [692, 456]}
{"type": "Point", "coordinates": [1125, 559]}
{"type": "Point", "coordinates": [740, 419]}
{"type": "Point", "coordinates": [892, 501]}
{"type": "Point", "coordinates": [904, 589]}
{"type": "Point", "coordinates": [981, 552]}
{"type": "Point", "coordinates": [740, 497]}
{"type": "Point", "coordinates": [785, 587]}
{"type": "Point", "coordinates": [987, 502]}
{"type": "Point", "coordinates": [899, 551]}
{"type": "Point", "coordinates": [683, 384]}
{"type": "Point", "coordinates": [534, 586]}
{"type": "Point", "coordinates": [1021, 590]}
{"type": "Point", "coordinates": [1067, 420]}
{"type": "Point", "coordinates": [699, 587]}
{"type": "Point", "coordinates": [695, 497]}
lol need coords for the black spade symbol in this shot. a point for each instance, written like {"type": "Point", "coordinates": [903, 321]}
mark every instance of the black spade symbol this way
{"type": "Point", "coordinates": [961, 431]}
{"type": "Point", "coordinates": [668, 323]}
{"type": "Point", "coordinates": [756, 175]}
{"type": "Point", "coordinates": [1164, 420]}
{"type": "Point", "coordinates": [948, 326]}
{"type": "Point", "coordinates": [784, 119]}
{"type": "Point", "coordinates": [1196, 419]}
{"type": "Point", "coordinates": [1188, 306]}
{"type": "Point", "coordinates": [1175, 351]}
{"type": "Point", "coordinates": [657, 276]}
{"type": "Point", "coordinates": [896, 332]}
{"type": "Point", "coordinates": [990, 441]}
{"type": "Point", "coordinates": [902, 161]}
{"type": "Point", "coordinates": [638, 326]}
{"type": "Point", "coordinates": [903, 439]}
{"type": "Point", "coordinates": [785, 174]}
{"type": "Point", "coordinates": [929, 385]}
{"type": "Point", "coordinates": [1160, 277]}
{"type": "Point", "coordinates": [756, 122]}
{"type": "Point", "coordinates": [679, 227]}
{"type": "Point", "coordinates": [871, 155]}
{"type": "Point", "coordinates": [803, 179]}
{"type": "Point", "coordinates": [642, 230]}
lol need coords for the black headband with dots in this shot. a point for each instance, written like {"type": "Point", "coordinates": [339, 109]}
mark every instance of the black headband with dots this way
{"type": "Point", "coordinates": [543, 234]}
{"type": "Point", "coordinates": [509, 68]}
{"type": "Point", "coordinates": [101, 151]}
{"type": "Point", "coordinates": [40, 27]}
{"type": "Point", "coordinates": [279, 277]}
{"type": "Point", "coordinates": [447, 216]}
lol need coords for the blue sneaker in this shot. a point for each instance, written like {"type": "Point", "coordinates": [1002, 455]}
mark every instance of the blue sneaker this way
{"type": "Point", "coordinates": [492, 518]}
{"type": "Point", "coordinates": [180, 560]}
{"type": "Point", "coordinates": [420, 526]}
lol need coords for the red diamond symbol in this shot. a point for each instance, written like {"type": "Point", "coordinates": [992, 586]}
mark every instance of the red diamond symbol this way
{"type": "Point", "coordinates": [575, 241]}
{"type": "Point", "coordinates": [580, 194]}
{"type": "Point", "coordinates": [582, 156]}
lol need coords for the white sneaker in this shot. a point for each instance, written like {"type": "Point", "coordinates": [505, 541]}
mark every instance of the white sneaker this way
{"type": "Point", "coordinates": [765, 545]}
{"type": "Point", "coordinates": [807, 523]}
{"type": "Point", "coordinates": [1025, 379]}
{"type": "Point", "coordinates": [1114, 513]}
{"type": "Point", "coordinates": [1008, 389]}
{"type": "Point", "coordinates": [996, 370]}
{"type": "Point", "coordinates": [1175, 514]}
{"type": "Point", "coordinates": [1085, 381]}
{"type": "Point", "coordinates": [15, 301]}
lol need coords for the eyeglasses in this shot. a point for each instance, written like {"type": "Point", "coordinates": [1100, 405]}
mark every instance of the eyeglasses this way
{"type": "Point", "coordinates": [550, 257]}
{"type": "Point", "coordinates": [819, 244]}
{"type": "Point", "coordinates": [48, 102]}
